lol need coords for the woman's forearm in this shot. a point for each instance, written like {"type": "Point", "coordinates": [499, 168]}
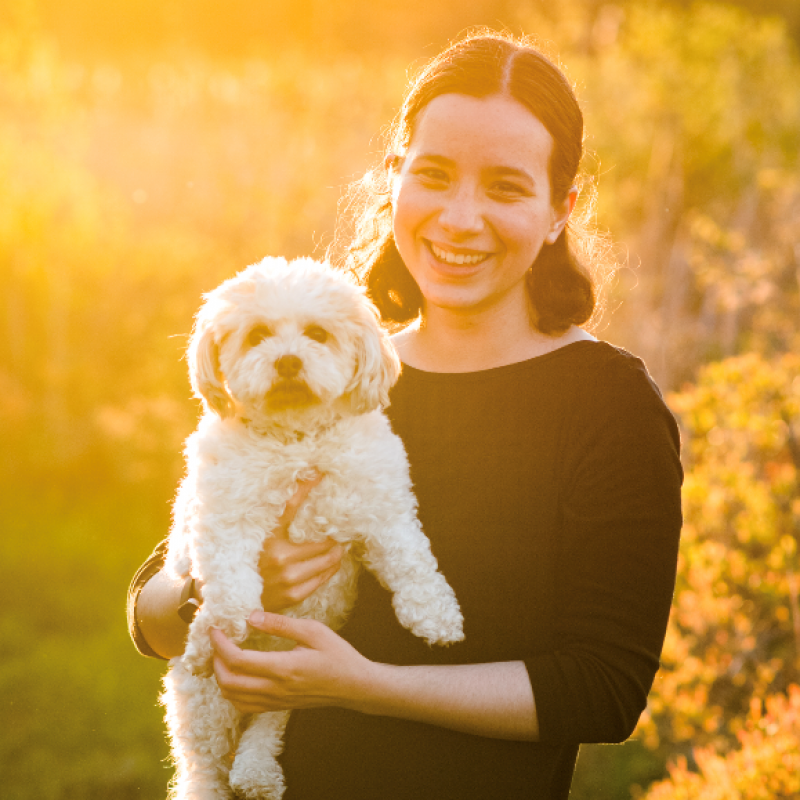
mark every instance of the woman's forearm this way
{"type": "Point", "coordinates": [494, 700]}
{"type": "Point", "coordinates": [157, 615]}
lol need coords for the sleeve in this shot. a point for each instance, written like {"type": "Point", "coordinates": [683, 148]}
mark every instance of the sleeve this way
{"type": "Point", "coordinates": [620, 530]}
{"type": "Point", "coordinates": [150, 567]}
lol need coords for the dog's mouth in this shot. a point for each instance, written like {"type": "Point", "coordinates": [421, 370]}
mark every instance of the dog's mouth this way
{"type": "Point", "coordinates": [290, 393]}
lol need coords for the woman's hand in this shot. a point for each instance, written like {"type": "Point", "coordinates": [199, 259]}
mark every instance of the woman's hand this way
{"type": "Point", "coordinates": [323, 669]}
{"type": "Point", "coordinates": [493, 700]}
{"type": "Point", "coordinates": [291, 572]}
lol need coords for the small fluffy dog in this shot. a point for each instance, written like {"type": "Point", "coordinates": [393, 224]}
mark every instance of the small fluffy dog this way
{"type": "Point", "coordinates": [294, 369]}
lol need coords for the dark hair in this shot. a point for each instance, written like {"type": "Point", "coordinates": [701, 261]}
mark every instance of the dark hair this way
{"type": "Point", "coordinates": [483, 64]}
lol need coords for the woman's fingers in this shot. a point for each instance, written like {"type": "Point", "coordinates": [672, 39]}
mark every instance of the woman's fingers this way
{"type": "Point", "coordinates": [288, 585]}
{"type": "Point", "coordinates": [279, 555]}
{"type": "Point", "coordinates": [306, 632]}
{"type": "Point", "coordinates": [249, 693]}
{"type": "Point", "coordinates": [298, 592]}
{"type": "Point", "coordinates": [298, 574]}
{"type": "Point", "coordinates": [291, 572]}
{"type": "Point", "coordinates": [296, 500]}
{"type": "Point", "coordinates": [322, 669]}
{"type": "Point", "coordinates": [232, 656]}
{"type": "Point", "coordinates": [269, 664]}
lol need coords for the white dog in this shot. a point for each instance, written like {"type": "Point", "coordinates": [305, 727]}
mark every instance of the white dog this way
{"type": "Point", "coordinates": [294, 370]}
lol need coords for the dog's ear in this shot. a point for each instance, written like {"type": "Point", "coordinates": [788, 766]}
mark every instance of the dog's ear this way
{"type": "Point", "coordinates": [204, 371]}
{"type": "Point", "coordinates": [377, 364]}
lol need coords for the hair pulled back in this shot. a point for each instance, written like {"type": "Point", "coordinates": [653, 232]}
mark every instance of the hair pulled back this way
{"type": "Point", "coordinates": [481, 65]}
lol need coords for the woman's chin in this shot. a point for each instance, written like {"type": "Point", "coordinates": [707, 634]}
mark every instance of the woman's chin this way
{"type": "Point", "coordinates": [475, 297]}
{"type": "Point", "coordinates": [458, 300]}
{"type": "Point", "coordinates": [453, 285]}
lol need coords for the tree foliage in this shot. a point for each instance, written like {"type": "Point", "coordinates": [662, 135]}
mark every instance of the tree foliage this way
{"type": "Point", "coordinates": [694, 125]}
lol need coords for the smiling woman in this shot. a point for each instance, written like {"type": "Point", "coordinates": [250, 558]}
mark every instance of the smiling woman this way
{"type": "Point", "coordinates": [472, 205]}
{"type": "Point", "coordinates": [545, 465]}
{"type": "Point", "coordinates": [507, 88]}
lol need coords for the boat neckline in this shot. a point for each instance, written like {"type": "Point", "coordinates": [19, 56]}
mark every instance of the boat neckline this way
{"type": "Point", "coordinates": [504, 368]}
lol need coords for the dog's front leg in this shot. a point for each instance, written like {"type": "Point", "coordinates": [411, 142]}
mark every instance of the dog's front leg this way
{"type": "Point", "coordinates": [400, 556]}
{"type": "Point", "coordinates": [256, 772]}
{"type": "Point", "coordinates": [230, 617]}
{"type": "Point", "coordinates": [232, 589]}
{"type": "Point", "coordinates": [203, 728]}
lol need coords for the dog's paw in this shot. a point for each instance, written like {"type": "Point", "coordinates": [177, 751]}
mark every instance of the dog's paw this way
{"type": "Point", "coordinates": [438, 621]}
{"type": "Point", "coordinates": [440, 631]}
{"type": "Point", "coordinates": [257, 779]}
{"type": "Point", "coordinates": [449, 633]}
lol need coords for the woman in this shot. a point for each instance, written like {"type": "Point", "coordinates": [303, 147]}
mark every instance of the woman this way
{"type": "Point", "coordinates": [545, 463]}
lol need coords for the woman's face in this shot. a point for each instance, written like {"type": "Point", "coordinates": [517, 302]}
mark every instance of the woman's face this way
{"type": "Point", "coordinates": [472, 201]}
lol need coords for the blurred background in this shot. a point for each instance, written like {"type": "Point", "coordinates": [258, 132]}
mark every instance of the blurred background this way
{"type": "Point", "coordinates": [150, 149]}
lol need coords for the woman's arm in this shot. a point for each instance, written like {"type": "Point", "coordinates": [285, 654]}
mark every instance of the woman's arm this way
{"type": "Point", "coordinates": [290, 571]}
{"type": "Point", "coordinates": [494, 700]}
{"type": "Point", "coordinates": [486, 699]}
{"type": "Point", "coordinates": [156, 613]}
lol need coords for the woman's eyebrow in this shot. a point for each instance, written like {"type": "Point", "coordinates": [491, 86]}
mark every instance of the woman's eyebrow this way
{"type": "Point", "coordinates": [505, 171]}
{"type": "Point", "coordinates": [435, 158]}
{"type": "Point", "coordinates": [512, 172]}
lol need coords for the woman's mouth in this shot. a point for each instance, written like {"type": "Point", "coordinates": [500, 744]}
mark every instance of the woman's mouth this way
{"type": "Point", "coordinates": [465, 259]}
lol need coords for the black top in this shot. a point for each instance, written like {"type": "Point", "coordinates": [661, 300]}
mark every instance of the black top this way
{"type": "Point", "coordinates": [550, 491]}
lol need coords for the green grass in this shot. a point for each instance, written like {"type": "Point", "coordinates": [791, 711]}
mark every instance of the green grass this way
{"type": "Point", "coordinates": [79, 704]}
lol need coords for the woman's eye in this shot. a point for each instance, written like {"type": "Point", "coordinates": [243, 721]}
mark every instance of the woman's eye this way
{"type": "Point", "coordinates": [506, 189]}
{"type": "Point", "coordinates": [431, 175]}
{"type": "Point", "coordinates": [317, 334]}
{"type": "Point", "coordinates": [258, 334]}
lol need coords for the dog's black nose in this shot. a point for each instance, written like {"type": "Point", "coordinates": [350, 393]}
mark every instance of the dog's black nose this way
{"type": "Point", "coordinates": [288, 366]}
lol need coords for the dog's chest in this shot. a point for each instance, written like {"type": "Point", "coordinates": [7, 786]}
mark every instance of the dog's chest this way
{"type": "Point", "coordinates": [255, 478]}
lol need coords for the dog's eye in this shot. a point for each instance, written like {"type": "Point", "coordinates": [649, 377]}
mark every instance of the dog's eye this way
{"type": "Point", "coordinates": [258, 334]}
{"type": "Point", "coordinates": [317, 334]}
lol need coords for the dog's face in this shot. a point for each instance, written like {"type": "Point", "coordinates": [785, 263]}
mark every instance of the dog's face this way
{"type": "Point", "coordinates": [287, 338]}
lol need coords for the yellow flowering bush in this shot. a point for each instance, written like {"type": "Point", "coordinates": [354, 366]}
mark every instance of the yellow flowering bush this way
{"type": "Point", "coordinates": [765, 766]}
{"type": "Point", "coordinates": [735, 630]}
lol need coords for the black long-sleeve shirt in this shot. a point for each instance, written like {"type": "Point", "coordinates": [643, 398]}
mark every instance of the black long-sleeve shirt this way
{"type": "Point", "coordinates": [550, 491]}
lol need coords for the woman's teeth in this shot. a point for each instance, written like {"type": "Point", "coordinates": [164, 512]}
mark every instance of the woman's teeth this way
{"type": "Point", "coordinates": [460, 258]}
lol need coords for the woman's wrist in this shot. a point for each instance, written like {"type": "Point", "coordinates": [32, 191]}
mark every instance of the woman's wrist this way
{"type": "Point", "coordinates": [157, 615]}
{"type": "Point", "coordinates": [367, 691]}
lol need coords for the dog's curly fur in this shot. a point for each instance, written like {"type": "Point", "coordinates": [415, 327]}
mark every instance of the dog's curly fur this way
{"type": "Point", "coordinates": [294, 370]}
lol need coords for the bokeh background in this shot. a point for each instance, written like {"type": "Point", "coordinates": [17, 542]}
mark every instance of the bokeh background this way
{"type": "Point", "coordinates": [151, 148]}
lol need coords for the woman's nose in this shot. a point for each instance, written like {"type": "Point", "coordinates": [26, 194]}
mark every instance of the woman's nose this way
{"type": "Point", "coordinates": [461, 214]}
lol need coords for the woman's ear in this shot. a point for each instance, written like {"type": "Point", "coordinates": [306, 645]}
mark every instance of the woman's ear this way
{"type": "Point", "coordinates": [392, 162]}
{"type": "Point", "coordinates": [204, 371]}
{"type": "Point", "coordinates": [561, 214]}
